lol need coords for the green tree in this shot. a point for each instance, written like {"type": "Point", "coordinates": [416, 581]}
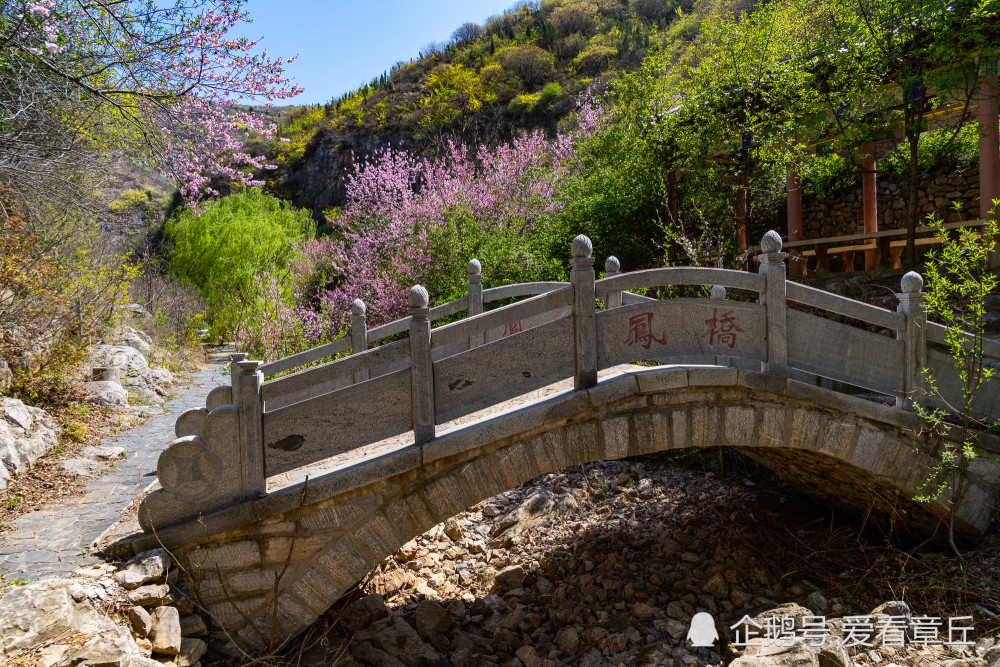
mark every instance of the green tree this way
{"type": "Point", "coordinates": [223, 251]}
{"type": "Point", "coordinates": [900, 68]}
{"type": "Point", "coordinates": [958, 282]}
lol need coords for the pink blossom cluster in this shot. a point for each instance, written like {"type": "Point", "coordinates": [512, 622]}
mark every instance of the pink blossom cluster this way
{"type": "Point", "coordinates": [167, 67]}
{"type": "Point", "coordinates": [396, 202]}
{"type": "Point", "coordinates": [382, 242]}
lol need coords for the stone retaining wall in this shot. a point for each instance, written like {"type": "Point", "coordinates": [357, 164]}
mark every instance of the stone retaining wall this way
{"type": "Point", "coordinates": [841, 213]}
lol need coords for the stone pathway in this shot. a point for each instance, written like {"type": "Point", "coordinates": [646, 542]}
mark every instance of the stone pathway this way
{"type": "Point", "coordinates": [54, 542]}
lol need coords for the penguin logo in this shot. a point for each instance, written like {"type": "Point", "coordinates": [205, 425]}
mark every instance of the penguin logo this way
{"type": "Point", "coordinates": [703, 632]}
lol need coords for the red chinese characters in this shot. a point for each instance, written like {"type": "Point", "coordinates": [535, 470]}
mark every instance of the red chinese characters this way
{"type": "Point", "coordinates": [511, 328]}
{"type": "Point", "coordinates": [722, 330]}
{"type": "Point", "coordinates": [640, 331]}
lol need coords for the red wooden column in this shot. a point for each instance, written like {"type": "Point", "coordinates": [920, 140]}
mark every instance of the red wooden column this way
{"type": "Point", "coordinates": [793, 185]}
{"type": "Point", "coordinates": [870, 194]}
{"type": "Point", "coordinates": [989, 153]}
{"type": "Point", "coordinates": [741, 215]}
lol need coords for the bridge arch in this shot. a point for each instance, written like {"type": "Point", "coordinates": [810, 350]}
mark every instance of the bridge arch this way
{"type": "Point", "coordinates": [330, 533]}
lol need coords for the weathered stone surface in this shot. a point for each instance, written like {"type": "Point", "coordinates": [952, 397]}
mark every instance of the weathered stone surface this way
{"type": "Point", "coordinates": [191, 651]}
{"type": "Point", "coordinates": [362, 613]}
{"type": "Point", "coordinates": [145, 568]}
{"type": "Point", "coordinates": [136, 378]}
{"type": "Point", "coordinates": [392, 639]}
{"type": "Point", "coordinates": [166, 631]}
{"type": "Point", "coordinates": [193, 625]}
{"type": "Point", "coordinates": [107, 393]}
{"type": "Point", "coordinates": [568, 640]}
{"type": "Point", "coordinates": [6, 376]}
{"type": "Point", "coordinates": [801, 653]}
{"type": "Point", "coordinates": [432, 619]}
{"type": "Point", "coordinates": [149, 595]}
{"type": "Point", "coordinates": [85, 468]}
{"type": "Point", "coordinates": [817, 603]}
{"type": "Point", "coordinates": [25, 434]}
{"type": "Point", "coordinates": [137, 340]}
{"type": "Point", "coordinates": [509, 578]}
{"type": "Point", "coordinates": [44, 610]}
{"type": "Point", "coordinates": [141, 620]}
{"type": "Point", "coordinates": [114, 648]}
{"type": "Point", "coordinates": [103, 453]}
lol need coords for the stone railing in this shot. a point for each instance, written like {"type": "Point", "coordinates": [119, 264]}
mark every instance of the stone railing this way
{"type": "Point", "coordinates": [255, 429]}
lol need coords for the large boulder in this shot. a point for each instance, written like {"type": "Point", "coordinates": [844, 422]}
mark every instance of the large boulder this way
{"type": "Point", "coordinates": [134, 339]}
{"type": "Point", "coordinates": [107, 393]}
{"type": "Point", "coordinates": [25, 434]}
{"type": "Point", "coordinates": [136, 377]}
{"type": "Point", "coordinates": [795, 651]}
{"type": "Point", "coordinates": [44, 610]}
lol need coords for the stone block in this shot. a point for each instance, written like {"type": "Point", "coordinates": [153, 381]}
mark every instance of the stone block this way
{"type": "Point", "coordinates": [613, 389]}
{"type": "Point", "coordinates": [166, 631]}
{"type": "Point", "coordinates": [804, 428]}
{"type": "Point", "coordinates": [679, 425]}
{"type": "Point", "coordinates": [582, 438]}
{"type": "Point", "coordinates": [771, 428]}
{"type": "Point", "coordinates": [616, 437]}
{"type": "Point", "coordinates": [738, 424]}
{"type": "Point", "coordinates": [342, 565]}
{"type": "Point", "coordinates": [652, 433]}
{"type": "Point", "coordinates": [551, 451]}
{"type": "Point", "coordinates": [445, 496]}
{"type": "Point", "coordinates": [711, 376]}
{"type": "Point", "coordinates": [234, 556]}
{"type": "Point", "coordinates": [658, 380]}
{"type": "Point", "coordinates": [412, 514]}
{"type": "Point", "coordinates": [312, 590]}
{"type": "Point", "coordinates": [705, 425]}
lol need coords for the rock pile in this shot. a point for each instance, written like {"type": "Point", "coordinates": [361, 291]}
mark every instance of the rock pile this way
{"type": "Point", "coordinates": [139, 383]}
{"type": "Point", "coordinates": [103, 618]}
{"type": "Point", "coordinates": [606, 568]}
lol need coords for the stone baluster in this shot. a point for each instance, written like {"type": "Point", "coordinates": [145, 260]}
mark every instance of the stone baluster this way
{"type": "Point", "coordinates": [772, 267]}
{"type": "Point", "coordinates": [234, 375]}
{"type": "Point", "coordinates": [251, 408]}
{"type": "Point", "coordinates": [718, 293]}
{"type": "Point", "coordinates": [359, 335]}
{"type": "Point", "coordinates": [474, 271]}
{"type": "Point", "coordinates": [914, 337]}
{"type": "Point", "coordinates": [611, 269]}
{"type": "Point", "coordinates": [584, 316]}
{"type": "Point", "coordinates": [421, 366]}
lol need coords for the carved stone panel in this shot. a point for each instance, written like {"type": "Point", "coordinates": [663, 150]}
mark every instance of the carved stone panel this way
{"type": "Point", "coordinates": [677, 328]}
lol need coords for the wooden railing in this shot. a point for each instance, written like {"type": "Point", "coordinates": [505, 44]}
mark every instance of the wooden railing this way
{"type": "Point", "coordinates": [889, 245]}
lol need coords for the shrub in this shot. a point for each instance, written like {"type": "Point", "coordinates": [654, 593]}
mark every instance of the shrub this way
{"type": "Point", "coordinates": [532, 64]}
{"type": "Point", "coordinates": [224, 251]}
{"type": "Point", "coordinates": [579, 16]}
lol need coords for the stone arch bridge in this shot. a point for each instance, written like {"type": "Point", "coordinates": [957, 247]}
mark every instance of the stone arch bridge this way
{"type": "Point", "coordinates": [775, 372]}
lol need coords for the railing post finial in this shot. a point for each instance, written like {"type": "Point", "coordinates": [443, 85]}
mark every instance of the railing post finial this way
{"type": "Point", "coordinates": [359, 334]}
{"type": "Point", "coordinates": [421, 366]}
{"type": "Point", "coordinates": [612, 267]}
{"type": "Point", "coordinates": [772, 267]}
{"type": "Point", "coordinates": [474, 272]}
{"type": "Point", "coordinates": [584, 317]}
{"type": "Point", "coordinates": [914, 337]}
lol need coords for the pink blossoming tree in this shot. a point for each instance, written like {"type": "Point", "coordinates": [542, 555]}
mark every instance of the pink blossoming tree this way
{"type": "Point", "coordinates": [159, 77]}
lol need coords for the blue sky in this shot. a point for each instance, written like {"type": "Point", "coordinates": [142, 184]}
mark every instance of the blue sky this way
{"type": "Point", "coordinates": [342, 44]}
